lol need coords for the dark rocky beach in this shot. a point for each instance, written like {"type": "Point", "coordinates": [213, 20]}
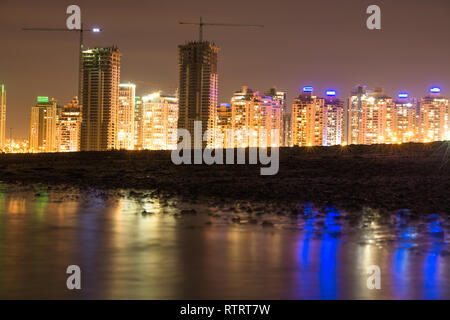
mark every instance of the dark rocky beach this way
{"type": "Point", "coordinates": [385, 177]}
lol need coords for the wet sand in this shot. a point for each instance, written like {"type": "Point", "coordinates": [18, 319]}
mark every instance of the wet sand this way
{"type": "Point", "coordinates": [386, 177]}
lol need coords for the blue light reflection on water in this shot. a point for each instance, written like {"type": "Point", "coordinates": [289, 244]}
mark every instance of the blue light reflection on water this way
{"type": "Point", "coordinates": [404, 259]}
{"type": "Point", "coordinates": [431, 262]}
{"type": "Point", "coordinates": [328, 254]}
{"type": "Point", "coordinates": [306, 248]}
{"type": "Point", "coordinates": [319, 249]}
{"type": "Point", "coordinates": [123, 253]}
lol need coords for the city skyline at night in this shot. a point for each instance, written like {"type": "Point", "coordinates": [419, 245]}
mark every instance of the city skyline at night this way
{"type": "Point", "coordinates": [111, 116]}
{"type": "Point", "coordinates": [403, 56]}
{"type": "Point", "coordinates": [366, 116]}
{"type": "Point", "coordinates": [202, 155]}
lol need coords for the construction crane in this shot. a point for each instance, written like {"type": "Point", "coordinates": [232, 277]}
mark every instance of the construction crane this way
{"type": "Point", "coordinates": [81, 31]}
{"type": "Point", "coordinates": [201, 24]}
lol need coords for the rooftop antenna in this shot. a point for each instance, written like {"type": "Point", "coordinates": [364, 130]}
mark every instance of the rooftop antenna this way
{"type": "Point", "coordinates": [201, 24]}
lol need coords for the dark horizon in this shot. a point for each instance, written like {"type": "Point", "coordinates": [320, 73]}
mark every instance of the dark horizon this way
{"type": "Point", "coordinates": [411, 53]}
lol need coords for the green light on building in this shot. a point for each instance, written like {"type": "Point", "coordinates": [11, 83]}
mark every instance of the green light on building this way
{"type": "Point", "coordinates": [42, 99]}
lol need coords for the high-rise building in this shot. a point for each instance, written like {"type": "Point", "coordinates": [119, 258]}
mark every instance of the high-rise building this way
{"type": "Point", "coordinates": [309, 117]}
{"type": "Point", "coordinates": [69, 127]}
{"type": "Point", "coordinates": [138, 123]}
{"type": "Point", "coordinates": [434, 117]}
{"type": "Point", "coordinates": [159, 122]}
{"type": "Point", "coordinates": [286, 122]}
{"type": "Point", "coordinates": [405, 118]}
{"type": "Point", "coordinates": [100, 98]}
{"type": "Point", "coordinates": [353, 115]}
{"type": "Point", "coordinates": [333, 134]}
{"type": "Point", "coordinates": [126, 117]}
{"type": "Point", "coordinates": [223, 126]}
{"type": "Point", "coordinates": [255, 119]}
{"type": "Point", "coordinates": [378, 119]}
{"type": "Point", "coordinates": [198, 88]}
{"type": "Point", "coordinates": [43, 125]}
{"type": "Point", "coordinates": [2, 115]}
{"type": "Point", "coordinates": [370, 117]}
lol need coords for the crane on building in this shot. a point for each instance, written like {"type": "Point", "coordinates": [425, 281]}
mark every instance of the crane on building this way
{"type": "Point", "coordinates": [81, 32]}
{"type": "Point", "coordinates": [201, 24]}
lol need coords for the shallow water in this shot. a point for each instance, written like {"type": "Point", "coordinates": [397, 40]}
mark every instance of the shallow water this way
{"type": "Point", "coordinates": [139, 246]}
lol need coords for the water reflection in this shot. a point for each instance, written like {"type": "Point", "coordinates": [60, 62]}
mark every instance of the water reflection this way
{"type": "Point", "coordinates": [139, 246]}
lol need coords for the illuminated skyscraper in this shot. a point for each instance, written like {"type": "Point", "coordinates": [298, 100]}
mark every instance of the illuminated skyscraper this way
{"type": "Point", "coordinates": [138, 123]}
{"type": "Point", "coordinates": [69, 127]}
{"type": "Point", "coordinates": [198, 87]}
{"type": "Point", "coordinates": [159, 122]}
{"type": "Point", "coordinates": [370, 117]}
{"type": "Point", "coordinates": [353, 115]}
{"type": "Point", "coordinates": [309, 118]}
{"type": "Point", "coordinates": [286, 121]}
{"type": "Point", "coordinates": [43, 125]}
{"type": "Point", "coordinates": [223, 126]}
{"type": "Point", "coordinates": [434, 117]}
{"type": "Point", "coordinates": [255, 119]}
{"type": "Point", "coordinates": [125, 117]}
{"type": "Point", "coordinates": [2, 115]}
{"type": "Point", "coordinates": [378, 119]}
{"type": "Point", "coordinates": [405, 118]}
{"type": "Point", "coordinates": [100, 99]}
{"type": "Point", "coordinates": [335, 119]}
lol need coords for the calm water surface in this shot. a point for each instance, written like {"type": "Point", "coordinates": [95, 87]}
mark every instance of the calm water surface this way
{"type": "Point", "coordinates": [138, 246]}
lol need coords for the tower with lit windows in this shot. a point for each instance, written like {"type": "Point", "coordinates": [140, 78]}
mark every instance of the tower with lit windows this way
{"type": "Point", "coordinates": [285, 129]}
{"type": "Point", "coordinates": [69, 127]}
{"type": "Point", "coordinates": [159, 122]}
{"type": "Point", "coordinates": [223, 126]}
{"type": "Point", "coordinates": [43, 137]}
{"type": "Point", "coordinates": [138, 123]}
{"type": "Point", "coordinates": [369, 117]}
{"type": "Point", "coordinates": [309, 119]}
{"type": "Point", "coordinates": [198, 88]}
{"type": "Point", "coordinates": [434, 117]}
{"type": "Point", "coordinates": [255, 119]}
{"type": "Point", "coordinates": [335, 119]}
{"type": "Point", "coordinates": [125, 117]}
{"type": "Point", "coordinates": [2, 115]}
{"type": "Point", "coordinates": [100, 98]}
{"type": "Point", "coordinates": [405, 118]}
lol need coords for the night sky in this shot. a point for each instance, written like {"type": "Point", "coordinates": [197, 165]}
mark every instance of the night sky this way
{"type": "Point", "coordinates": [324, 43]}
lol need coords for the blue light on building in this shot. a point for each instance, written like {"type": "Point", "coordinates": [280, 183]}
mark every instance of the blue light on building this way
{"type": "Point", "coordinates": [435, 90]}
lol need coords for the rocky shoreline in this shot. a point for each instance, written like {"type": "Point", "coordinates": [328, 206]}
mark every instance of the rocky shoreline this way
{"type": "Point", "coordinates": [385, 177]}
